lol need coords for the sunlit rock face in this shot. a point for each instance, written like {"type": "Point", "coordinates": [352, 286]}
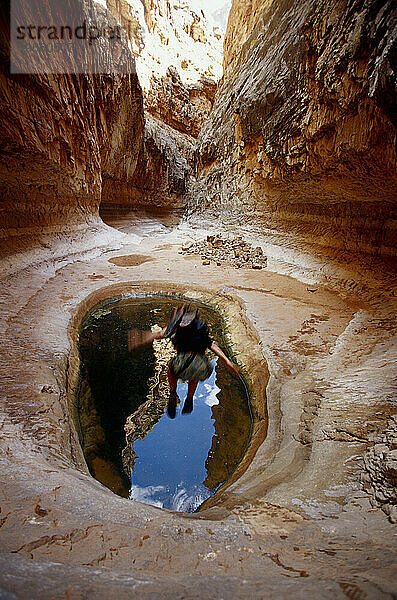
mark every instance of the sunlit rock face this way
{"type": "Point", "coordinates": [182, 34]}
{"type": "Point", "coordinates": [301, 141]}
{"type": "Point", "coordinates": [183, 107]}
{"type": "Point", "coordinates": [178, 49]}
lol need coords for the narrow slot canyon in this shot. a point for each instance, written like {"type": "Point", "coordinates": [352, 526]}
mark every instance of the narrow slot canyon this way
{"type": "Point", "coordinates": [241, 157]}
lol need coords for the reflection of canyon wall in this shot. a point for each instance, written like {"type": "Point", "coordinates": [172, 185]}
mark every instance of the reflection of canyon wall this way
{"type": "Point", "coordinates": [301, 141]}
{"type": "Point", "coordinates": [149, 413]}
{"type": "Point", "coordinates": [232, 424]}
{"type": "Point", "coordinates": [113, 385]}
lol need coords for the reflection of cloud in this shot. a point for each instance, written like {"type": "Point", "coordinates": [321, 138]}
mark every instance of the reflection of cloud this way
{"type": "Point", "coordinates": [187, 501]}
{"type": "Point", "coordinates": [180, 498]}
{"type": "Point", "coordinates": [212, 391]}
{"type": "Point", "coordinates": [146, 494]}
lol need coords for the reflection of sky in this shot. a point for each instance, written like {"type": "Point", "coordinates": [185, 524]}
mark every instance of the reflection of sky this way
{"type": "Point", "coordinates": [170, 468]}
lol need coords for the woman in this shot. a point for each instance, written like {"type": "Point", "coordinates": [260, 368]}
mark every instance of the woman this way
{"type": "Point", "coordinates": [190, 337]}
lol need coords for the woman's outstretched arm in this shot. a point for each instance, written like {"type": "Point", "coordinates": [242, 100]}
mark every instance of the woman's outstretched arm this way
{"type": "Point", "coordinates": [140, 338]}
{"type": "Point", "coordinates": [229, 364]}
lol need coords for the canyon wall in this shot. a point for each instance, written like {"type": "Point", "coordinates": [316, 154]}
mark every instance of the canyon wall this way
{"type": "Point", "coordinates": [62, 136]}
{"type": "Point", "coordinates": [178, 49]}
{"type": "Point", "coordinates": [71, 142]}
{"type": "Point", "coordinates": [301, 143]}
{"type": "Point", "coordinates": [297, 153]}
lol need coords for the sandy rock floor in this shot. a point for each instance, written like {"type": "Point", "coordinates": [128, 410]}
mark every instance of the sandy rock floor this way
{"type": "Point", "coordinates": [296, 522]}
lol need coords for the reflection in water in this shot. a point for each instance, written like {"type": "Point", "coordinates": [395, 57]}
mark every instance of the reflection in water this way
{"type": "Point", "coordinates": [232, 421]}
{"type": "Point", "coordinates": [179, 499]}
{"type": "Point", "coordinates": [173, 464]}
{"type": "Point", "coordinates": [150, 412]}
{"type": "Point", "coordinates": [172, 456]}
{"type": "Point", "coordinates": [147, 494]}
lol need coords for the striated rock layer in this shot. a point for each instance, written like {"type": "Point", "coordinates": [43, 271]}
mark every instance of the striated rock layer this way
{"type": "Point", "coordinates": [160, 175]}
{"type": "Point", "coordinates": [66, 139]}
{"type": "Point", "coordinates": [301, 144]}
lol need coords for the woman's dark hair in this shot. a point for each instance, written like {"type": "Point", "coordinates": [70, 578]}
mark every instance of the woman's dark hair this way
{"type": "Point", "coordinates": [193, 337]}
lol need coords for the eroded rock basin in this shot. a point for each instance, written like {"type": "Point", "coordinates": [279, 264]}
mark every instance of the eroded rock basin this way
{"type": "Point", "coordinates": [129, 443]}
{"type": "Point", "coordinates": [295, 507]}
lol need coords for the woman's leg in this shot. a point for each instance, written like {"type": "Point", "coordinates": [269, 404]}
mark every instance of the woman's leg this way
{"type": "Point", "coordinates": [172, 380]}
{"type": "Point", "coordinates": [191, 388]}
{"type": "Point", "coordinates": [173, 398]}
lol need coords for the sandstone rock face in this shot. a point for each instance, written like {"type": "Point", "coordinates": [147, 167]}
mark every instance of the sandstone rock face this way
{"type": "Point", "coordinates": [82, 141]}
{"type": "Point", "coordinates": [61, 136]}
{"type": "Point", "coordinates": [160, 175]}
{"type": "Point", "coordinates": [178, 51]}
{"type": "Point", "coordinates": [183, 107]}
{"type": "Point", "coordinates": [299, 151]}
{"type": "Point", "coordinates": [178, 34]}
{"type": "Point", "coordinates": [301, 141]}
{"type": "Point", "coordinates": [55, 149]}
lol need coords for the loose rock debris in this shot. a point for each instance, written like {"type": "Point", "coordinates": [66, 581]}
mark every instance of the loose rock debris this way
{"type": "Point", "coordinates": [233, 251]}
{"type": "Point", "coordinates": [379, 478]}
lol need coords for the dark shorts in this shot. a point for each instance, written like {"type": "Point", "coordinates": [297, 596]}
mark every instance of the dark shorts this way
{"type": "Point", "coordinates": [199, 369]}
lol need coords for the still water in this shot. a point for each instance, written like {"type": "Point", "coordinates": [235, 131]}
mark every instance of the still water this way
{"type": "Point", "coordinates": [129, 442]}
